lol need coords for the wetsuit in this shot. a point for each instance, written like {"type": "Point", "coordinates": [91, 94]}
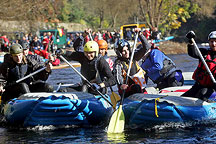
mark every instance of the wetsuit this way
{"type": "Point", "coordinates": [121, 67]}
{"type": "Point", "coordinates": [95, 71]}
{"type": "Point", "coordinates": [11, 72]}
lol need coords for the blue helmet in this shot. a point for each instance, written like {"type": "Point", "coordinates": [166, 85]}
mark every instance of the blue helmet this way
{"type": "Point", "coordinates": [119, 45]}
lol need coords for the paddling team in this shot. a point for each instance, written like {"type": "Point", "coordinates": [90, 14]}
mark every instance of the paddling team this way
{"type": "Point", "coordinates": [147, 62]}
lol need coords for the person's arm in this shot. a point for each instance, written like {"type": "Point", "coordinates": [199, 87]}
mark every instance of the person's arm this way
{"type": "Point", "coordinates": [156, 58]}
{"type": "Point", "coordinates": [117, 71]}
{"type": "Point", "coordinates": [36, 63]}
{"type": "Point", "coordinates": [78, 44]}
{"type": "Point", "coordinates": [145, 47]}
{"type": "Point", "coordinates": [2, 80]}
{"type": "Point", "coordinates": [76, 56]}
{"type": "Point", "coordinates": [106, 71]}
{"type": "Point", "coordinates": [194, 53]}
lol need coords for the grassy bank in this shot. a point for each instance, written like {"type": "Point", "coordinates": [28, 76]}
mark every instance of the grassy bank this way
{"type": "Point", "coordinates": [169, 47]}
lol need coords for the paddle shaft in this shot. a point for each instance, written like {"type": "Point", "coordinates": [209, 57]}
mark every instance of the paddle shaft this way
{"type": "Point", "coordinates": [129, 68]}
{"type": "Point", "coordinates": [90, 36]}
{"type": "Point", "coordinates": [117, 120]}
{"type": "Point", "coordinates": [90, 84]}
{"type": "Point", "coordinates": [31, 74]}
{"type": "Point", "coordinates": [202, 59]}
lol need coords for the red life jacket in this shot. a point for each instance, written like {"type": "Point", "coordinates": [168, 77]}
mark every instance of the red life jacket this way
{"type": "Point", "coordinates": [201, 75]}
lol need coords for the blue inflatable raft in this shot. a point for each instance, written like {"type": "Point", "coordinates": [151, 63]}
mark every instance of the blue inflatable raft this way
{"type": "Point", "coordinates": [147, 110]}
{"type": "Point", "coordinates": [77, 108]}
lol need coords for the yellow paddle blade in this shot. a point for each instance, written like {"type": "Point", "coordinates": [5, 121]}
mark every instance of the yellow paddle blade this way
{"type": "Point", "coordinates": [117, 121]}
{"type": "Point", "coordinates": [114, 99]}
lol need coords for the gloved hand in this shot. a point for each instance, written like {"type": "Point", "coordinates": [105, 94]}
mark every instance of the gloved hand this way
{"type": "Point", "coordinates": [190, 35]}
{"type": "Point", "coordinates": [96, 86]}
{"type": "Point", "coordinates": [59, 52]}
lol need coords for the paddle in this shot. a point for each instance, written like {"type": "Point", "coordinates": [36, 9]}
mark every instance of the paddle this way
{"type": "Point", "coordinates": [191, 35]}
{"type": "Point", "coordinates": [117, 120]}
{"type": "Point", "coordinates": [114, 97]}
{"type": "Point", "coordinates": [89, 83]}
{"type": "Point", "coordinates": [31, 74]}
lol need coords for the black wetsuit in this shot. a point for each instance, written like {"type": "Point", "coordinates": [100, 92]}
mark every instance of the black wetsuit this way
{"type": "Point", "coordinates": [11, 72]}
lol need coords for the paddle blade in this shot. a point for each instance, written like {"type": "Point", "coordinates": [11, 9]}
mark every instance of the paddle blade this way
{"type": "Point", "coordinates": [117, 121]}
{"type": "Point", "coordinates": [114, 99]}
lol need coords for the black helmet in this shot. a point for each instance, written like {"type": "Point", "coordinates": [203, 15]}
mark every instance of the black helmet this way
{"type": "Point", "coordinates": [119, 45]}
{"type": "Point", "coordinates": [25, 45]}
{"type": "Point", "coordinates": [16, 49]}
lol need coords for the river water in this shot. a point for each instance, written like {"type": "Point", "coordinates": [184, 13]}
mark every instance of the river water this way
{"type": "Point", "coordinates": [169, 133]}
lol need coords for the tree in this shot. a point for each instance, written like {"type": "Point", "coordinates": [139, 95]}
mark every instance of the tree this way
{"type": "Point", "coordinates": [166, 14]}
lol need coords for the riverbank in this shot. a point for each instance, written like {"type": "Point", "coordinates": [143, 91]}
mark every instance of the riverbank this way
{"type": "Point", "coordinates": [170, 47]}
{"type": "Point", "coordinates": [167, 47]}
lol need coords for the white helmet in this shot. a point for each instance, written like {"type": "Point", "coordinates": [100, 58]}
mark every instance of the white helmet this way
{"type": "Point", "coordinates": [212, 35]}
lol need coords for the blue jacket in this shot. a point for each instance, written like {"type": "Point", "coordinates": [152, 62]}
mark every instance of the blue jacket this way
{"type": "Point", "coordinates": [158, 66]}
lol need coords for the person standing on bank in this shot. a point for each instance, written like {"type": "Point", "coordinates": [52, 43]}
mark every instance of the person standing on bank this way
{"type": "Point", "coordinates": [94, 68]}
{"type": "Point", "coordinates": [204, 86]}
{"type": "Point", "coordinates": [136, 82]}
{"type": "Point", "coordinates": [17, 66]}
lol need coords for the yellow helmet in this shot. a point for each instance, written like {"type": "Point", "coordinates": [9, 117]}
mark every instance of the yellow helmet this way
{"type": "Point", "coordinates": [91, 46]}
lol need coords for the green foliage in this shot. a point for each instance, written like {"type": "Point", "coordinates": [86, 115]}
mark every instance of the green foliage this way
{"type": "Point", "coordinates": [65, 11]}
{"type": "Point", "coordinates": [178, 14]}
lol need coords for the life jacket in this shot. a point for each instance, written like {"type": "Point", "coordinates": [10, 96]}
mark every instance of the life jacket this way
{"type": "Point", "coordinates": [201, 75]}
{"type": "Point", "coordinates": [137, 77]}
{"type": "Point", "coordinates": [110, 62]}
{"type": "Point", "coordinates": [158, 75]}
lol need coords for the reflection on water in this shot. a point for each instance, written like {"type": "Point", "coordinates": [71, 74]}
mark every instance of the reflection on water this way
{"type": "Point", "coordinates": [117, 138]}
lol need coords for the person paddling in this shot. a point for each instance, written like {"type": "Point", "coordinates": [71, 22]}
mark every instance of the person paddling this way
{"type": "Point", "coordinates": [94, 68]}
{"type": "Point", "coordinates": [137, 82]}
{"type": "Point", "coordinates": [16, 66]}
{"type": "Point", "coordinates": [204, 86]}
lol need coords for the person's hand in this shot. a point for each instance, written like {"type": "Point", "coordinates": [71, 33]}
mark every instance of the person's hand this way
{"type": "Point", "coordinates": [51, 58]}
{"type": "Point", "coordinates": [1, 88]}
{"type": "Point", "coordinates": [190, 35]}
{"type": "Point", "coordinates": [96, 86]}
{"type": "Point", "coordinates": [124, 86]}
{"type": "Point", "coordinates": [89, 31]}
{"type": "Point", "coordinates": [49, 67]}
{"type": "Point", "coordinates": [59, 52]}
{"type": "Point", "coordinates": [137, 29]}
